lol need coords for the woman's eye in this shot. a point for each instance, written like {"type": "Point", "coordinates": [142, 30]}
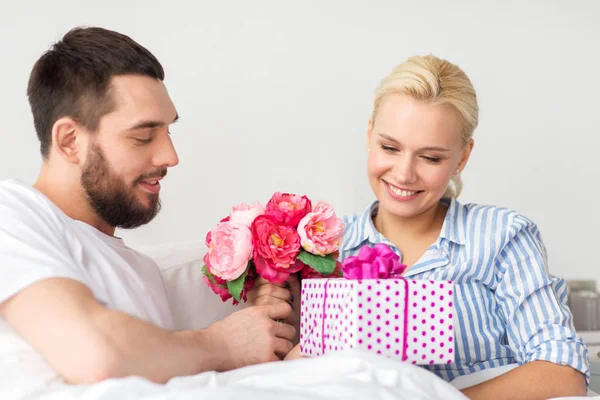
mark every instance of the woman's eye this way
{"type": "Point", "coordinates": [434, 160]}
{"type": "Point", "coordinates": [388, 149]}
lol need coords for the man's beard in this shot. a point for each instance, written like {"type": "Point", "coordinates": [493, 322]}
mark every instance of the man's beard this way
{"type": "Point", "coordinates": [112, 199]}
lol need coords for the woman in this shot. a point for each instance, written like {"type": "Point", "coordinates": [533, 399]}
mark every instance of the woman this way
{"type": "Point", "coordinates": [509, 309]}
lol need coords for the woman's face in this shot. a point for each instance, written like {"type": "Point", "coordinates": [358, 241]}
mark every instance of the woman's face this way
{"type": "Point", "coordinates": [414, 150]}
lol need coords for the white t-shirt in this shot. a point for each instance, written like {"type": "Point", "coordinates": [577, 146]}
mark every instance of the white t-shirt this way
{"type": "Point", "coordinates": [38, 241]}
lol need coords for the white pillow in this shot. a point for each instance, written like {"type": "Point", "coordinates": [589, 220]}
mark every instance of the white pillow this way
{"type": "Point", "coordinates": [193, 304]}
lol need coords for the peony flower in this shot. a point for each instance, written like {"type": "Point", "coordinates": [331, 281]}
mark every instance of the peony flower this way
{"type": "Point", "coordinates": [275, 249]}
{"type": "Point", "coordinates": [379, 262]}
{"type": "Point", "coordinates": [288, 209]}
{"type": "Point", "coordinates": [219, 287]}
{"type": "Point", "coordinates": [229, 250]}
{"type": "Point", "coordinates": [245, 214]}
{"type": "Point", "coordinates": [321, 231]}
{"type": "Point", "coordinates": [207, 240]}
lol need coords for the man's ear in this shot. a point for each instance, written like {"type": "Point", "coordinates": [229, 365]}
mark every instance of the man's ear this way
{"type": "Point", "coordinates": [67, 139]}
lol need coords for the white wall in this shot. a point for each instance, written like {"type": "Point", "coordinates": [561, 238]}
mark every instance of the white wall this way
{"type": "Point", "coordinates": [275, 95]}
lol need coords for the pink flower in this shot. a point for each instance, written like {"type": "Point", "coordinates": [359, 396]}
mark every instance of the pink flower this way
{"type": "Point", "coordinates": [207, 240]}
{"type": "Point", "coordinates": [219, 287]}
{"type": "Point", "coordinates": [379, 262]}
{"type": "Point", "coordinates": [275, 249]}
{"type": "Point", "coordinates": [321, 230]}
{"type": "Point", "coordinates": [229, 250]}
{"type": "Point", "coordinates": [245, 214]}
{"type": "Point", "coordinates": [288, 209]}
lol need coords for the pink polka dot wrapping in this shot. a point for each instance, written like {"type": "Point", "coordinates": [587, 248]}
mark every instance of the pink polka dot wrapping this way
{"type": "Point", "coordinates": [339, 314]}
{"type": "Point", "coordinates": [432, 341]}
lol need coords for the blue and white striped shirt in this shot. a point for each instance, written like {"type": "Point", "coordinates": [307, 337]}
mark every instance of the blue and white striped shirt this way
{"type": "Point", "coordinates": [508, 307]}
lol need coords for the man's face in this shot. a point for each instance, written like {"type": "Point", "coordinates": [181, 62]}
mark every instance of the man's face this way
{"type": "Point", "coordinates": [130, 153]}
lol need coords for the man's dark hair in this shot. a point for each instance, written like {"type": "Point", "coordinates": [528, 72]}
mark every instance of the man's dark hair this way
{"type": "Point", "coordinates": [73, 78]}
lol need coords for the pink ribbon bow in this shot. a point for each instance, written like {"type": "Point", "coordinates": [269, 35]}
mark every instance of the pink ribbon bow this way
{"type": "Point", "coordinates": [377, 262]}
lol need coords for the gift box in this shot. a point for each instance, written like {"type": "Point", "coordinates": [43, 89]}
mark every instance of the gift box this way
{"type": "Point", "coordinates": [411, 320]}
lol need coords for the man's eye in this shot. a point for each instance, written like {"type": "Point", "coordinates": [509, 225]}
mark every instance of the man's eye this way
{"type": "Point", "coordinates": [143, 141]}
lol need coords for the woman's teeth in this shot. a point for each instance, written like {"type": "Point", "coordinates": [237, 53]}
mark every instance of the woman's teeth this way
{"type": "Point", "coordinates": [400, 192]}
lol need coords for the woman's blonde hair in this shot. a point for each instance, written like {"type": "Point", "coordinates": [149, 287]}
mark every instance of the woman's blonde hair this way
{"type": "Point", "coordinates": [436, 81]}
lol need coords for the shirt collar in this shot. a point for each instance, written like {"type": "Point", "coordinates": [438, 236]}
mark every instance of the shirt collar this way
{"type": "Point", "coordinates": [363, 229]}
{"type": "Point", "coordinates": [455, 222]}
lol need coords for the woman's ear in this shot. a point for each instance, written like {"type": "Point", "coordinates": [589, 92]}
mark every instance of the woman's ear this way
{"type": "Point", "coordinates": [67, 136]}
{"type": "Point", "coordinates": [369, 133]}
{"type": "Point", "coordinates": [466, 153]}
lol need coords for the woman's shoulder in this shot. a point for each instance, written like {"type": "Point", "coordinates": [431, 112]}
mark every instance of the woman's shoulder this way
{"type": "Point", "coordinates": [508, 216]}
{"type": "Point", "coordinates": [482, 220]}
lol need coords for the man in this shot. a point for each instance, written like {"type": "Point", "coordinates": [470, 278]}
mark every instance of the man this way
{"type": "Point", "coordinates": [74, 300]}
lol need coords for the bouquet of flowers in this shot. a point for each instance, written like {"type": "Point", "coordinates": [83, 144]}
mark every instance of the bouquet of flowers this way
{"type": "Point", "coordinates": [287, 236]}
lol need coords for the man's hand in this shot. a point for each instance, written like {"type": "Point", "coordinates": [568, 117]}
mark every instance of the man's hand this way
{"type": "Point", "coordinates": [252, 336]}
{"type": "Point", "coordinates": [265, 293]}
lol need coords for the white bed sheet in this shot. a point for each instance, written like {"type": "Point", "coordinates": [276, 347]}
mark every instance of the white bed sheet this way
{"type": "Point", "coordinates": [345, 375]}
{"type": "Point", "coordinates": [348, 375]}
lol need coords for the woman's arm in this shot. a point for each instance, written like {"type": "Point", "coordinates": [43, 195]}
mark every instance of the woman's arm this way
{"type": "Point", "coordinates": [538, 323]}
{"type": "Point", "coordinates": [534, 380]}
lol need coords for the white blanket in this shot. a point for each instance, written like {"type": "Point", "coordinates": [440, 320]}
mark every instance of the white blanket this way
{"type": "Point", "coordinates": [345, 375]}
{"type": "Point", "coordinates": [348, 375]}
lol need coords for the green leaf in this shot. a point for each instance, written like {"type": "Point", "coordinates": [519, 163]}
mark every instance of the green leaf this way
{"type": "Point", "coordinates": [236, 286]}
{"type": "Point", "coordinates": [210, 276]}
{"type": "Point", "coordinates": [324, 265]}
